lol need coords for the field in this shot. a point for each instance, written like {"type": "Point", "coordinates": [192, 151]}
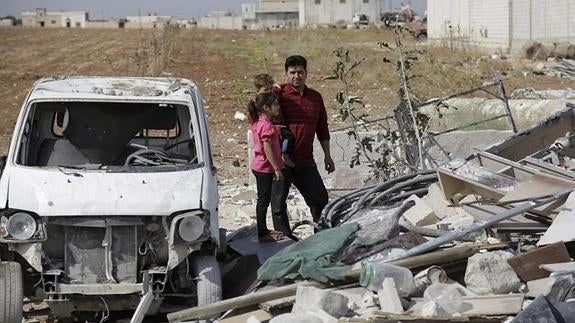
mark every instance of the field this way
{"type": "Point", "coordinates": [223, 62]}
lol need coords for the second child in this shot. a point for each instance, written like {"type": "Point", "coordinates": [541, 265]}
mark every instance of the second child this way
{"type": "Point", "coordinates": [267, 167]}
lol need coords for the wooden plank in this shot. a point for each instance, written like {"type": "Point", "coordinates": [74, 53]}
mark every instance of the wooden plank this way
{"type": "Point", "coordinates": [508, 304]}
{"type": "Point", "coordinates": [562, 266]}
{"type": "Point", "coordinates": [526, 265]}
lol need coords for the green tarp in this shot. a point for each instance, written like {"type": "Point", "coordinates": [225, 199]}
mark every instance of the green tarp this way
{"type": "Point", "coordinates": [313, 258]}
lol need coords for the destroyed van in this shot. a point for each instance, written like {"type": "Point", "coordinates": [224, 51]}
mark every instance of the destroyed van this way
{"type": "Point", "coordinates": [108, 199]}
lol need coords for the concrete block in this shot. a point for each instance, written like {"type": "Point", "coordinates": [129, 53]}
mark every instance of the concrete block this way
{"type": "Point", "coordinates": [435, 199]}
{"type": "Point", "coordinates": [489, 273]}
{"type": "Point", "coordinates": [313, 299]}
{"type": "Point", "coordinates": [431, 309]}
{"type": "Point", "coordinates": [354, 296]}
{"type": "Point", "coordinates": [455, 222]}
{"type": "Point", "coordinates": [296, 318]}
{"type": "Point", "coordinates": [368, 303]}
{"type": "Point", "coordinates": [389, 300]}
{"type": "Point", "coordinates": [420, 214]}
{"type": "Point", "coordinates": [323, 316]}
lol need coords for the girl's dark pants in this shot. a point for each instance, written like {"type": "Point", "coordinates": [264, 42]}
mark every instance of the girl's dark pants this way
{"type": "Point", "coordinates": [270, 190]}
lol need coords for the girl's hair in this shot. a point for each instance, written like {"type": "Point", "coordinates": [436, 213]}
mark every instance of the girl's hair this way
{"type": "Point", "coordinates": [257, 104]}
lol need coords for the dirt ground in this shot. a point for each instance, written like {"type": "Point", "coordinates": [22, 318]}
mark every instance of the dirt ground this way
{"type": "Point", "coordinates": [223, 63]}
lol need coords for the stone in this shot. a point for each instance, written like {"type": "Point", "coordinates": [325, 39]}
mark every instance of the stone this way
{"type": "Point", "coordinates": [389, 300]}
{"type": "Point", "coordinates": [489, 273]}
{"type": "Point", "coordinates": [420, 214]}
{"type": "Point", "coordinates": [354, 296]}
{"type": "Point", "coordinates": [431, 309]}
{"type": "Point", "coordinates": [440, 206]}
{"type": "Point", "coordinates": [296, 318]}
{"type": "Point", "coordinates": [455, 222]}
{"type": "Point", "coordinates": [313, 299]}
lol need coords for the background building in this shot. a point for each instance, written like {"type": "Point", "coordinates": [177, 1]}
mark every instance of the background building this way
{"type": "Point", "coordinates": [501, 24]}
{"type": "Point", "coordinates": [278, 13]}
{"type": "Point", "coordinates": [5, 22]}
{"type": "Point", "coordinates": [43, 18]}
{"type": "Point", "coordinates": [333, 11]}
{"type": "Point", "coordinates": [221, 20]}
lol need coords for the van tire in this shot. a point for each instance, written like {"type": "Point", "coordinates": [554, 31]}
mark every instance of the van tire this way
{"type": "Point", "coordinates": [11, 292]}
{"type": "Point", "coordinates": [209, 279]}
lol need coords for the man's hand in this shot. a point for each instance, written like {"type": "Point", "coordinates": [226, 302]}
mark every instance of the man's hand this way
{"type": "Point", "coordinates": [279, 175]}
{"type": "Point", "coordinates": [329, 164]}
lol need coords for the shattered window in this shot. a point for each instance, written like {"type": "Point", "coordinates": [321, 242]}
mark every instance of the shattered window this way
{"type": "Point", "coordinates": [109, 134]}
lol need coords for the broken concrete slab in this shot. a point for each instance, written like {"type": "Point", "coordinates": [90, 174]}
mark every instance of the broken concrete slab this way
{"type": "Point", "coordinates": [355, 296]}
{"type": "Point", "coordinates": [489, 273]}
{"type": "Point", "coordinates": [389, 301]}
{"type": "Point", "coordinates": [562, 266]}
{"type": "Point", "coordinates": [296, 318]}
{"type": "Point", "coordinates": [440, 206]}
{"type": "Point", "coordinates": [312, 299]}
{"type": "Point", "coordinates": [526, 265]}
{"type": "Point", "coordinates": [420, 214]}
{"type": "Point", "coordinates": [475, 305]}
{"type": "Point", "coordinates": [538, 287]}
{"type": "Point", "coordinates": [562, 227]}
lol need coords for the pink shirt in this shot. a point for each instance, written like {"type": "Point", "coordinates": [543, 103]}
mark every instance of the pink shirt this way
{"type": "Point", "coordinates": [264, 130]}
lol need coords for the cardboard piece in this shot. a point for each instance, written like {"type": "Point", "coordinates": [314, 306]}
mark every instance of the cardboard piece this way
{"type": "Point", "coordinates": [527, 265]}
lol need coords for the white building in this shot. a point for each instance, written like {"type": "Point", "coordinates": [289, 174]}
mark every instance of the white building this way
{"type": "Point", "coordinates": [221, 20]}
{"type": "Point", "coordinates": [6, 22]}
{"type": "Point", "coordinates": [43, 18]}
{"type": "Point", "coordinates": [500, 24]}
{"type": "Point", "coordinates": [333, 11]}
{"type": "Point", "coordinates": [278, 13]}
{"type": "Point", "coordinates": [148, 21]}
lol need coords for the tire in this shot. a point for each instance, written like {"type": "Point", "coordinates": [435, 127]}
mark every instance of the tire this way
{"type": "Point", "coordinates": [11, 292]}
{"type": "Point", "coordinates": [421, 37]}
{"type": "Point", "coordinates": [209, 279]}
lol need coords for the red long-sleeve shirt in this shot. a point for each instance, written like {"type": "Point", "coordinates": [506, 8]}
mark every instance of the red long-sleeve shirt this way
{"type": "Point", "coordinates": [305, 116]}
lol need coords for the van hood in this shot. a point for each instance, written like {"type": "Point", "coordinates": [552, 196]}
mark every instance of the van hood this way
{"type": "Point", "coordinates": [55, 192]}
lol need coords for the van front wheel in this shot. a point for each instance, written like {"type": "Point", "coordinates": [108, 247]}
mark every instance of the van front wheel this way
{"type": "Point", "coordinates": [209, 279]}
{"type": "Point", "coordinates": [11, 292]}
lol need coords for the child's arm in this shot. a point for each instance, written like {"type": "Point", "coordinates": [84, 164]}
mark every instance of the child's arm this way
{"type": "Point", "coordinates": [268, 150]}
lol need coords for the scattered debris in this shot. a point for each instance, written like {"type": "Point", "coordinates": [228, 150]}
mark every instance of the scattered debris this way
{"type": "Point", "coordinates": [477, 238]}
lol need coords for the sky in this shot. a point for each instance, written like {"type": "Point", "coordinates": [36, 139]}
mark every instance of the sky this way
{"type": "Point", "coordinates": [106, 9]}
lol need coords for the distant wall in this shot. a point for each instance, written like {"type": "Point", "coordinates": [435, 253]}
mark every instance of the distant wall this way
{"type": "Point", "coordinates": [103, 24]}
{"type": "Point", "coordinates": [332, 11]}
{"type": "Point", "coordinates": [221, 22]}
{"type": "Point", "coordinates": [500, 24]}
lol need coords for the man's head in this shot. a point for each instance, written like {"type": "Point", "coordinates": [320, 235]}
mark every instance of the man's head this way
{"type": "Point", "coordinates": [263, 82]}
{"type": "Point", "coordinates": [296, 71]}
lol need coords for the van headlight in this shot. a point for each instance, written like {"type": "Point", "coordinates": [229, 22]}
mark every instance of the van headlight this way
{"type": "Point", "coordinates": [191, 228]}
{"type": "Point", "coordinates": [21, 226]}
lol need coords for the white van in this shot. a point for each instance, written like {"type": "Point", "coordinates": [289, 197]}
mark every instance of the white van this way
{"type": "Point", "coordinates": [108, 198]}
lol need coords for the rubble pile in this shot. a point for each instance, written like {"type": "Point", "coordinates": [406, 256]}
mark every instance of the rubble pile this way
{"type": "Point", "coordinates": [487, 238]}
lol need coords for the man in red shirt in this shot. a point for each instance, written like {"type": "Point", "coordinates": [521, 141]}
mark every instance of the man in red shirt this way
{"type": "Point", "coordinates": [304, 114]}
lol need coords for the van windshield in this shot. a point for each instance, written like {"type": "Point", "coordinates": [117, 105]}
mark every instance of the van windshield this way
{"type": "Point", "coordinates": [113, 136]}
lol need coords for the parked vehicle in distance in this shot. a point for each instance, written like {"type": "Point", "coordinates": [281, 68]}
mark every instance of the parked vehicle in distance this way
{"type": "Point", "coordinates": [108, 198]}
{"type": "Point", "coordinates": [360, 19]}
{"type": "Point", "coordinates": [420, 33]}
{"type": "Point", "coordinates": [393, 18]}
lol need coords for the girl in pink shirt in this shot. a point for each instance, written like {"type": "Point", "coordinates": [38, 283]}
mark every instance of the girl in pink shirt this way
{"type": "Point", "coordinates": [267, 166]}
